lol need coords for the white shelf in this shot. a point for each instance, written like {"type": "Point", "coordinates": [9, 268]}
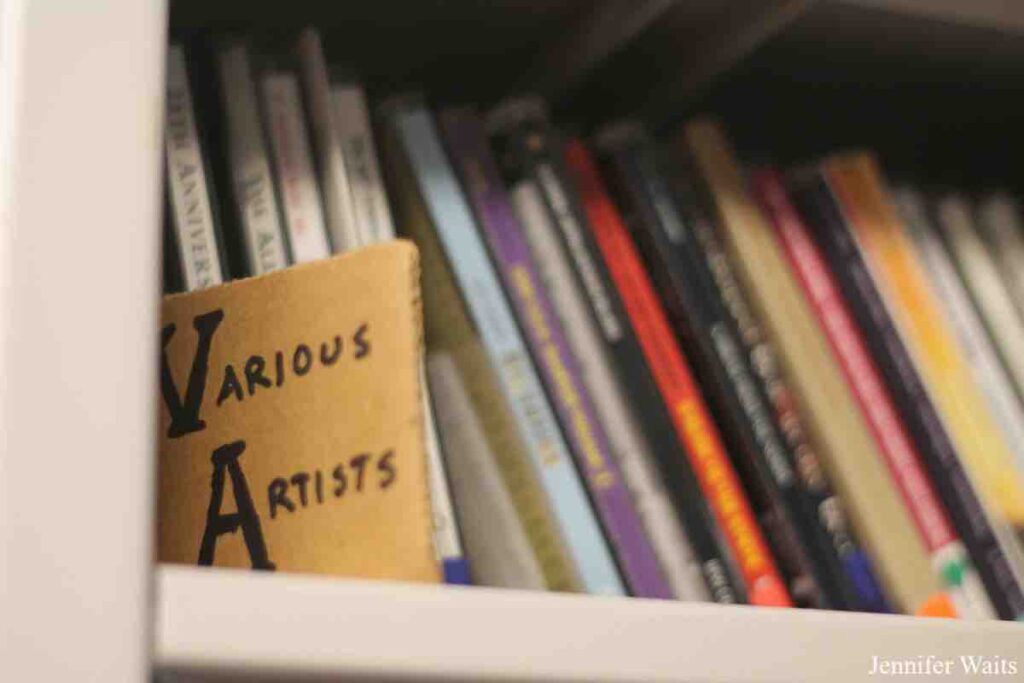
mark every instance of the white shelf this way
{"type": "Point", "coordinates": [234, 622]}
{"type": "Point", "coordinates": [81, 88]}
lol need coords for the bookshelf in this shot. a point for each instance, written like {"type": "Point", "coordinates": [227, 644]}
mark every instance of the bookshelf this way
{"type": "Point", "coordinates": [80, 90]}
{"type": "Point", "coordinates": [232, 622]}
{"type": "Point", "coordinates": [81, 97]}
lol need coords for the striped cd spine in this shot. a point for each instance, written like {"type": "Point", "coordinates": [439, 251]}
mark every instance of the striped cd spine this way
{"type": "Point", "coordinates": [672, 477]}
{"type": "Point", "coordinates": [815, 201]}
{"type": "Point", "coordinates": [369, 200]}
{"type": "Point", "coordinates": [850, 349]}
{"type": "Point", "coordinates": [253, 184]}
{"type": "Point", "coordinates": [611, 403]}
{"type": "Point", "coordinates": [989, 291]}
{"type": "Point", "coordinates": [496, 324]}
{"type": "Point", "coordinates": [861, 588]}
{"type": "Point", "coordinates": [470, 154]}
{"type": "Point", "coordinates": [293, 163]}
{"type": "Point", "coordinates": [845, 566]}
{"type": "Point", "coordinates": [696, 430]}
{"type": "Point", "coordinates": [493, 531]}
{"type": "Point", "coordinates": [965, 320]}
{"type": "Point", "coordinates": [701, 320]}
{"type": "Point", "coordinates": [334, 181]}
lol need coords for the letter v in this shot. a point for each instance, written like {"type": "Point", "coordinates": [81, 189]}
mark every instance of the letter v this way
{"type": "Point", "coordinates": [185, 414]}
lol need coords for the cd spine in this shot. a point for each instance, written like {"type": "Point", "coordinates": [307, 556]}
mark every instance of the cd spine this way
{"type": "Point", "coordinates": [448, 330]}
{"type": "Point", "coordinates": [1000, 222]}
{"type": "Point", "coordinates": [857, 185]}
{"type": "Point", "coordinates": [252, 182]}
{"type": "Point", "coordinates": [700, 319]}
{"type": "Point", "coordinates": [495, 539]}
{"type": "Point", "coordinates": [296, 177]}
{"type": "Point", "coordinates": [341, 221]}
{"type": "Point", "coordinates": [490, 311]}
{"type": "Point", "coordinates": [978, 347]}
{"type": "Point", "coordinates": [467, 144]}
{"type": "Point", "coordinates": [696, 431]}
{"type": "Point", "coordinates": [627, 442]}
{"type": "Point", "coordinates": [828, 229]}
{"type": "Point", "coordinates": [860, 588]}
{"type": "Point", "coordinates": [447, 540]}
{"type": "Point", "coordinates": [192, 212]}
{"type": "Point", "coordinates": [613, 334]}
{"type": "Point", "coordinates": [949, 558]}
{"type": "Point", "coordinates": [953, 213]}
{"type": "Point", "coordinates": [369, 200]}
{"type": "Point", "coordinates": [846, 446]}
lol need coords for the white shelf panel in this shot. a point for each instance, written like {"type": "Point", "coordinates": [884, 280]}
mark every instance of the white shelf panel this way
{"type": "Point", "coordinates": [234, 622]}
{"type": "Point", "coordinates": [81, 92]}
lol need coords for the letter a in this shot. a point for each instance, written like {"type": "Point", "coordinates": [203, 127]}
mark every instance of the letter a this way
{"type": "Point", "coordinates": [185, 414]}
{"type": "Point", "coordinates": [217, 524]}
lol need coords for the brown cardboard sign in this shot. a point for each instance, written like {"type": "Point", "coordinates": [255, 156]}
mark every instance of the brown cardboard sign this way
{"type": "Point", "coordinates": [291, 429]}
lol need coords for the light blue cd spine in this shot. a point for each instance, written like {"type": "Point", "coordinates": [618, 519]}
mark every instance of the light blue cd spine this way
{"type": "Point", "coordinates": [504, 344]}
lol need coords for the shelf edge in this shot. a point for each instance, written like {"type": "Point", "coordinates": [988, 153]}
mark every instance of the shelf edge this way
{"type": "Point", "coordinates": [232, 621]}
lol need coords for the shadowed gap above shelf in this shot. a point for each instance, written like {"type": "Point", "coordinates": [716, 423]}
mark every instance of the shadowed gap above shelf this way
{"type": "Point", "coordinates": [455, 50]}
{"type": "Point", "coordinates": [934, 83]}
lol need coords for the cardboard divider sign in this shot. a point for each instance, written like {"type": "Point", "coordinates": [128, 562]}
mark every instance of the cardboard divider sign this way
{"type": "Point", "coordinates": [291, 427]}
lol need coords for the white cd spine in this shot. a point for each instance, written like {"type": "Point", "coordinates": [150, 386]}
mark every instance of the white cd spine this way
{"type": "Point", "coordinates": [296, 176]}
{"type": "Point", "coordinates": [191, 211]}
{"type": "Point", "coordinates": [628, 443]}
{"type": "Point", "coordinates": [250, 168]}
{"type": "Point", "coordinates": [369, 199]}
{"type": "Point", "coordinates": [341, 222]}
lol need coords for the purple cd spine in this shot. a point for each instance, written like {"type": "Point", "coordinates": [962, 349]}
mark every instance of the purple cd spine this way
{"type": "Point", "coordinates": [467, 144]}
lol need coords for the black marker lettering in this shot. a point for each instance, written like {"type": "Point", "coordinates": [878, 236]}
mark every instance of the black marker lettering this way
{"type": "Point", "coordinates": [277, 494]}
{"type": "Point", "coordinates": [386, 468]}
{"type": "Point", "coordinates": [185, 413]}
{"type": "Point", "coordinates": [358, 463]}
{"type": "Point", "coordinates": [300, 479]}
{"type": "Point", "coordinates": [279, 367]}
{"type": "Point", "coordinates": [329, 360]}
{"type": "Point", "coordinates": [342, 481]}
{"type": "Point", "coordinates": [362, 343]}
{"type": "Point", "coordinates": [230, 386]}
{"type": "Point", "coordinates": [254, 373]}
{"type": "Point", "coordinates": [217, 524]}
{"type": "Point", "coordinates": [319, 486]}
{"type": "Point", "coordinates": [302, 361]}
